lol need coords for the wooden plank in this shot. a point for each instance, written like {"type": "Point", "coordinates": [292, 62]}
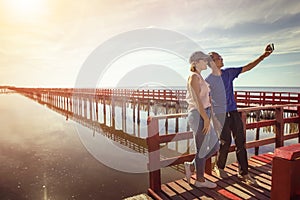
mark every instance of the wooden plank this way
{"type": "Point", "coordinates": [157, 195]}
{"type": "Point", "coordinates": [261, 184]}
{"type": "Point", "coordinates": [211, 192]}
{"type": "Point", "coordinates": [265, 156]}
{"type": "Point", "coordinates": [181, 191]}
{"type": "Point", "coordinates": [263, 169]}
{"type": "Point", "coordinates": [256, 172]}
{"type": "Point", "coordinates": [261, 159]}
{"type": "Point", "coordinates": [233, 171]}
{"type": "Point", "coordinates": [193, 191]}
{"type": "Point", "coordinates": [235, 182]}
{"type": "Point", "coordinates": [262, 162]}
{"type": "Point", "coordinates": [231, 191]}
{"type": "Point", "coordinates": [271, 155]}
{"type": "Point", "coordinates": [170, 193]}
{"type": "Point", "coordinates": [173, 137]}
{"type": "Point", "coordinates": [266, 165]}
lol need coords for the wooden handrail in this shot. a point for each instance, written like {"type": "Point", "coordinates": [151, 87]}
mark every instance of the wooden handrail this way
{"type": "Point", "coordinates": [243, 98]}
{"type": "Point", "coordinates": [154, 139]}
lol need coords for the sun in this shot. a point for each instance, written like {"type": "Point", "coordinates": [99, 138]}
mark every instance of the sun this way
{"type": "Point", "coordinates": [25, 9]}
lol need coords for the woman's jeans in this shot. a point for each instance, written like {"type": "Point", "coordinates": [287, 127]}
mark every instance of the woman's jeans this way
{"type": "Point", "coordinates": [196, 123]}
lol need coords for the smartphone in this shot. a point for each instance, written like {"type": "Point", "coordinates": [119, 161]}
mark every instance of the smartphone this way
{"type": "Point", "coordinates": [271, 47]}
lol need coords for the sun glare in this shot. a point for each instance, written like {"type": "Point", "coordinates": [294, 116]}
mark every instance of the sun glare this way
{"type": "Point", "coordinates": [25, 9]}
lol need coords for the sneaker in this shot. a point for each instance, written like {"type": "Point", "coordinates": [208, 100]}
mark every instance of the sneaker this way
{"type": "Point", "coordinates": [188, 172]}
{"type": "Point", "coordinates": [220, 172]}
{"type": "Point", "coordinates": [206, 184]}
{"type": "Point", "coordinates": [248, 179]}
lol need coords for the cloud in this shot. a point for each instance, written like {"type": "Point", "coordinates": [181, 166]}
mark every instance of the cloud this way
{"type": "Point", "coordinates": [61, 41]}
{"type": "Point", "coordinates": [256, 28]}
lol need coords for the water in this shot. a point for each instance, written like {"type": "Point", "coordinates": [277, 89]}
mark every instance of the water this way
{"type": "Point", "coordinates": [42, 157]}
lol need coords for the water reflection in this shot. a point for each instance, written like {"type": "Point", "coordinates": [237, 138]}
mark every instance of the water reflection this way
{"type": "Point", "coordinates": [41, 157]}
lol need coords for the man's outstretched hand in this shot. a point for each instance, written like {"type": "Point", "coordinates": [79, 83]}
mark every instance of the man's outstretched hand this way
{"type": "Point", "coordinates": [268, 50]}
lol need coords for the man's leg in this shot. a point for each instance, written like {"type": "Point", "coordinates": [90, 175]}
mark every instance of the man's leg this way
{"type": "Point", "coordinates": [240, 140]}
{"type": "Point", "coordinates": [241, 152]}
{"type": "Point", "coordinates": [225, 138]}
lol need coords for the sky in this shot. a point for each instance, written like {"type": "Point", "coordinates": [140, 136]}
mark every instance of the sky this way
{"type": "Point", "coordinates": [46, 43]}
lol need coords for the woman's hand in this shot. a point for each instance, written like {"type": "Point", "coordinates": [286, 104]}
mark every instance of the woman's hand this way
{"type": "Point", "coordinates": [206, 127]}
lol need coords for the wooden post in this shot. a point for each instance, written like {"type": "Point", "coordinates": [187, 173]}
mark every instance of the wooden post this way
{"type": "Point", "coordinates": [138, 118]}
{"type": "Point", "coordinates": [104, 110]}
{"type": "Point", "coordinates": [79, 106]}
{"type": "Point", "coordinates": [138, 112]}
{"type": "Point", "coordinates": [279, 140]}
{"type": "Point", "coordinates": [70, 104]}
{"type": "Point", "coordinates": [79, 102]}
{"type": "Point", "coordinates": [177, 120]}
{"type": "Point", "coordinates": [113, 114]}
{"type": "Point", "coordinates": [298, 112]}
{"type": "Point", "coordinates": [167, 121]}
{"type": "Point", "coordinates": [67, 104]}
{"type": "Point", "coordinates": [148, 109]}
{"type": "Point", "coordinates": [153, 154]}
{"type": "Point", "coordinates": [257, 131]}
{"type": "Point", "coordinates": [177, 125]}
{"type": "Point", "coordinates": [73, 105]}
{"type": "Point", "coordinates": [54, 100]}
{"type": "Point", "coordinates": [133, 116]}
{"type": "Point", "coordinates": [76, 106]}
{"type": "Point", "coordinates": [124, 115]}
{"type": "Point", "coordinates": [133, 110]}
{"type": "Point", "coordinates": [58, 101]}
{"type": "Point", "coordinates": [285, 173]}
{"type": "Point", "coordinates": [97, 109]}
{"type": "Point", "coordinates": [91, 108]}
{"type": "Point", "coordinates": [85, 101]}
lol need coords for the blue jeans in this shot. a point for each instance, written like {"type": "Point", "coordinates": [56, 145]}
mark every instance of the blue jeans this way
{"type": "Point", "coordinates": [196, 123]}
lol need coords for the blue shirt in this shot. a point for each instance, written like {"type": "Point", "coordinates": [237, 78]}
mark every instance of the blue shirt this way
{"type": "Point", "coordinates": [228, 75]}
{"type": "Point", "coordinates": [217, 92]}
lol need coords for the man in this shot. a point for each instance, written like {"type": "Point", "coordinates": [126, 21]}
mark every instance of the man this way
{"type": "Point", "coordinates": [231, 118]}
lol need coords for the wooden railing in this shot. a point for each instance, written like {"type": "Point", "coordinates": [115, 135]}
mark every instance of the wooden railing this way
{"type": "Point", "coordinates": [253, 98]}
{"type": "Point", "coordinates": [243, 98]}
{"type": "Point", "coordinates": [143, 94]}
{"type": "Point", "coordinates": [155, 139]}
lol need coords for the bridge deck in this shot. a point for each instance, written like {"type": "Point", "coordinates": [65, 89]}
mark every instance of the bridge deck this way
{"type": "Point", "coordinates": [231, 188]}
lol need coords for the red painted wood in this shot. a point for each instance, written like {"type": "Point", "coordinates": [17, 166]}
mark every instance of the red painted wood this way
{"type": "Point", "coordinates": [291, 152]}
{"type": "Point", "coordinates": [286, 173]}
{"type": "Point", "coordinates": [154, 155]}
{"type": "Point", "coordinates": [228, 194]}
{"type": "Point", "coordinates": [279, 127]}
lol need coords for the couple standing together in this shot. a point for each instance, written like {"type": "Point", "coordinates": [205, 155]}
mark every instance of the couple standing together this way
{"type": "Point", "coordinates": [213, 98]}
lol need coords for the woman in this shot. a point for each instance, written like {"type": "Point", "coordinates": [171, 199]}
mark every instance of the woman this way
{"type": "Point", "coordinates": [199, 110]}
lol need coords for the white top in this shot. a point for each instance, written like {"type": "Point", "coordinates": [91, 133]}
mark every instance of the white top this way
{"type": "Point", "coordinates": [204, 94]}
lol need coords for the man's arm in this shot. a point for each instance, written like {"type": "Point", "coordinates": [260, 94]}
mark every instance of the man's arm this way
{"type": "Point", "coordinates": [256, 61]}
